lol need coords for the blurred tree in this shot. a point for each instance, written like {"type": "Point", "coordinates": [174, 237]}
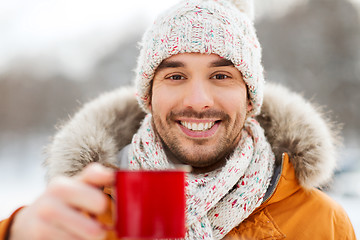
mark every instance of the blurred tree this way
{"type": "Point", "coordinates": [315, 49]}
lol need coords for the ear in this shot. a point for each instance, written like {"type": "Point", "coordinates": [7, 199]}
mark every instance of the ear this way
{"type": "Point", "coordinates": [151, 95]}
{"type": "Point", "coordinates": [249, 106]}
{"type": "Point", "coordinates": [150, 105]}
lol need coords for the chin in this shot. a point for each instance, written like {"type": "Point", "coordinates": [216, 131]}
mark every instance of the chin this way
{"type": "Point", "coordinates": [202, 161]}
{"type": "Point", "coordinates": [205, 166]}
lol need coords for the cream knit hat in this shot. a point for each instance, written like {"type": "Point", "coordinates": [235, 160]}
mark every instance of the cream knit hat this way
{"type": "Point", "coordinates": [223, 27]}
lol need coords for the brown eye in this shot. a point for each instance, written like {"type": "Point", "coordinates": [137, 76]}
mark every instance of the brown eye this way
{"type": "Point", "coordinates": [220, 76]}
{"type": "Point", "coordinates": [176, 77]}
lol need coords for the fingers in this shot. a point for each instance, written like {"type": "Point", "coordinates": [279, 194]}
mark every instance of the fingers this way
{"type": "Point", "coordinates": [78, 195]}
{"type": "Point", "coordinates": [58, 212]}
{"type": "Point", "coordinates": [49, 219]}
{"type": "Point", "coordinates": [82, 191]}
{"type": "Point", "coordinates": [50, 232]}
{"type": "Point", "coordinates": [69, 221]}
{"type": "Point", "coordinates": [97, 175]}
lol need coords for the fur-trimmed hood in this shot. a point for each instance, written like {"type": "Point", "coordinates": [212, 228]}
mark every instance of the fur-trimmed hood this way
{"type": "Point", "coordinates": [105, 125]}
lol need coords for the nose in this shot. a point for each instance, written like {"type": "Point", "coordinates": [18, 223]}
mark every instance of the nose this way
{"type": "Point", "coordinates": [198, 95]}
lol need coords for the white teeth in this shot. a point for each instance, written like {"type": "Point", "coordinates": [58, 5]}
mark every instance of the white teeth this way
{"type": "Point", "coordinates": [198, 126]}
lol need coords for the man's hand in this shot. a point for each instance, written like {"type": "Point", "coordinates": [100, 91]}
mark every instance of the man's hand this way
{"type": "Point", "coordinates": [58, 212]}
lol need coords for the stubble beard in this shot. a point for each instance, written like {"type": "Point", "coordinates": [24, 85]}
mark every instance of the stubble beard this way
{"type": "Point", "coordinates": [199, 155]}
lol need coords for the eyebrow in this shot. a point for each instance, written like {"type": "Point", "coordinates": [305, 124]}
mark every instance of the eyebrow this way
{"type": "Point", "coordinates": [170, 64]}
{"type": "Point", "coordinates": [221, 63]}
{"type": "Point", "coordinates": [175, 64]}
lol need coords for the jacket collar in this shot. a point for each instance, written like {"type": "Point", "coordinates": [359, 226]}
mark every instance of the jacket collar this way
{"type": "Point", "coordinates": [283, 183]}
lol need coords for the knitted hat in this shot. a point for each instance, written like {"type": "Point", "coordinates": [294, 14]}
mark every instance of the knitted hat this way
{"type": "Point", "coordinates": [222, 27]}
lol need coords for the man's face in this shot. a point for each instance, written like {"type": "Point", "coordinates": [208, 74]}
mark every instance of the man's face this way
{"type": "Point", "coordinates": [199, 104]}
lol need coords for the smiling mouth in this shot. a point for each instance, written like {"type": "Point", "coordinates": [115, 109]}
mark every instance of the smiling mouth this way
{"type": "Point", "coordinates": [200, 127]}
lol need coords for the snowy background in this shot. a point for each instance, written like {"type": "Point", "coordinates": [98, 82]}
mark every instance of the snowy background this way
{"type": "Point", "coordinates": [57, 54]}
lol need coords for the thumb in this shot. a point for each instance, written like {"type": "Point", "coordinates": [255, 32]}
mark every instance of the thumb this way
{"type": "Point", "coordinates": [97, 175]}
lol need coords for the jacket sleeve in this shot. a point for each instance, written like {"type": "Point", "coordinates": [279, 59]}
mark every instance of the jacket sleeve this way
{"type": "Point", "coordinates": [6, 224]}
{"type": "Point", "coordinates": [345, 229]}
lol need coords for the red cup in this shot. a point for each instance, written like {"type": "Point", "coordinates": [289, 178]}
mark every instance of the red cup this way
{"type": "Point", "coordinates": [150, 204]}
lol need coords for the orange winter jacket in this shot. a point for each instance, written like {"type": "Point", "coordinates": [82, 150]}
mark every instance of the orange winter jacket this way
{"type": "Point", "coordinates": [292, 209]}
{"type": "Point", "coordinates": [290, 212]}
{"type": "Point", "coordinates": [293, 212]}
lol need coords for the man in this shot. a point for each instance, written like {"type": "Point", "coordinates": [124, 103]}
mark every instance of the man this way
{"type": "Point", "coordinates": [200, 86]}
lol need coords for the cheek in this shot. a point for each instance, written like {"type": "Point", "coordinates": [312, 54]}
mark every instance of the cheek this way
{"type": "Point", "coordinates": [160, 101]}
{"type": "Point", "coordinates": [234, 103]}
{"type": "Point", "coordinates": [165, 97]}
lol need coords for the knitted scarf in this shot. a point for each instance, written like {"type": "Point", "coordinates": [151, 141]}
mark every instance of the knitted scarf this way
{"type": "Point", "coordinates": [220, 200]}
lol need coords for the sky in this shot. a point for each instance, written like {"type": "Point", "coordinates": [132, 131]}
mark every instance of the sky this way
{"type": "Point", "coordinates": [68, 29]}
{"type": "Point", "coordinates": [73, 34]}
